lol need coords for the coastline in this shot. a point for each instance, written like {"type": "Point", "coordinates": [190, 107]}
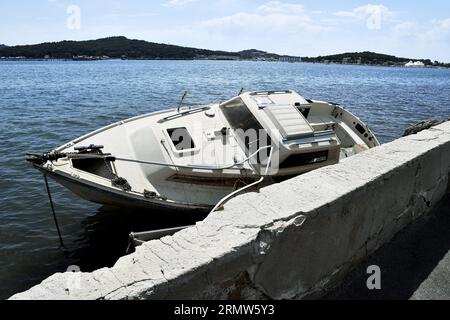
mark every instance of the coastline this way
{"type": "Point", "coordinates": [10, 59]}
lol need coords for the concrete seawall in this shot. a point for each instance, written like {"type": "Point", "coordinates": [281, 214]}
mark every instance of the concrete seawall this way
{"type": "Point", "coordinates": [290, 240]}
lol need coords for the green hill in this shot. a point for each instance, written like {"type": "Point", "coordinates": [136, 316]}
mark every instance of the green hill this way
{"type": "Point", "coordinates": [121, 47]}
{"type": "Point", "coordinates": [365, 57]}
{"type": "Point", "coordinates": [117, 47]}
{"type": "Point", "coordinates": [253, 53]}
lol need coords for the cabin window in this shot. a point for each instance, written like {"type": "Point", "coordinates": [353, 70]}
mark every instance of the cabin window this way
{"type": "Point", "coordinates": [239, 116]}
{"type": "Point", "coordinates": [303, 109]}
{"type": "Point", "coordinates": [360, 128]}
{"type": "Point", "coordinates": [303, 159]}
{"type": "Point", "coordinates": [181, 139]}
{"type": "Point", "coordinates": [248, 129]}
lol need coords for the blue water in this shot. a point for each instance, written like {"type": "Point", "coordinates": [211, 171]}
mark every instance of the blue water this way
{"type": "Point", "coordinates": [45, 104]}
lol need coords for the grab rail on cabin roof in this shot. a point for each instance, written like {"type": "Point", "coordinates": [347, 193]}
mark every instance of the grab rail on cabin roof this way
{"type": "Point", "coordinates": [184, 113]}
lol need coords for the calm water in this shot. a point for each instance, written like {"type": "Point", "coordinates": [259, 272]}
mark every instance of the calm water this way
{"type": "Point", "coordinates": [45, 104]}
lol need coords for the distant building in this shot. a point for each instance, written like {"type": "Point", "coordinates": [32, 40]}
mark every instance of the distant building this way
{"type": "Point", "coordinates": [416, 64]}
{"type": "Point", "coordinates": [216, 57]}
{"type": "Point", "coordinates": [290, 59]}
{"type": "Point", "coordinates": [346, 60]}
{"type": "Point", "coordinates": [86, 58]}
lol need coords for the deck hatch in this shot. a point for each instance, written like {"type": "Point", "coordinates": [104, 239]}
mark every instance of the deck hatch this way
{"type": "Point", "coordinates": [99, 167]}
{"type": "Point", "coordinates": [289, 121]}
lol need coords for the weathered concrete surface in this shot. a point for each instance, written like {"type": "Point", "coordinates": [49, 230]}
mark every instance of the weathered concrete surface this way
{"type": "Point", "coordinates": [290, 240]}
{"type": "Point", "coordinates": [414, 265]}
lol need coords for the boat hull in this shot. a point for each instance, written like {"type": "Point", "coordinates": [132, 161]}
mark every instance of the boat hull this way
{"type": "Point", "coordinates": [110, 197]}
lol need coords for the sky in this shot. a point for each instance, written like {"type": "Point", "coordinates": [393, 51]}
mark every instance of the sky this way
{"type": "Point", "coordinates": [415, 29]}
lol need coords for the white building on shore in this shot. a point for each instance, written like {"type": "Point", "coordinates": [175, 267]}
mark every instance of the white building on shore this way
{"type": "Point", "coordinates": [415, 64]}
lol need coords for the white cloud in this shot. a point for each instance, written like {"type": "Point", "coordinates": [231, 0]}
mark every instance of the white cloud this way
{"type": "Point", "coordinates": [407, 28]}
{"type": "Point", "coordinates": [274, 26]}
{"type": "Point", "coordinates": [365, 11]}
{"type": "Point", "coordinates": [439, 30]}
{"type": "Point", "coordinates": [177, 3]}
{"type": "Point", "coordinates": [280, 7]}
{"type": "Point", "coordinates": [373, 14]}
{"type": "Point", "coordinates": [243, 19]}
{"type": "Point", "coordinates": [444, 25]}
{"type": "Point", "coordinates": [273, 16]}
{"type": "Point", "coordinates": [427, 33]}
{"type": "Point", "coordinates": [290, 28]}
{"type": "Point", "coordinates": [345, 14]}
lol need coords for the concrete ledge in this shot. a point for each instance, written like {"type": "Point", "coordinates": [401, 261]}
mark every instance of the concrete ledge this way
{"type": "Point", "coordinates": [290, 240]}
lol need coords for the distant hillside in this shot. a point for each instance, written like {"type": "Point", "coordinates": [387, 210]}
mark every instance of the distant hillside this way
{"type": "Point", "coordinates": [252, 53]}
{"type": "Point", "coordinates": [119, 47]}
{"type": "Point", "coordinates": [2, 46]}
{"type": "Point", "coordinates": [114, 47]}
{"type": "Point", "coordinates": [364, 58]}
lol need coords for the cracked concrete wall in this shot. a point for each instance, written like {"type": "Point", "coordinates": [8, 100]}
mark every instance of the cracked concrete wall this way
{"type": "Point", "coordinates": [289, 240]}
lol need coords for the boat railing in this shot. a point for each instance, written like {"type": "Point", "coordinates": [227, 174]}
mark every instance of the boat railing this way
{"type": "Point", "coordinates": [112, 158]}
{"type": "Point", "coordinates": [180, 105]}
